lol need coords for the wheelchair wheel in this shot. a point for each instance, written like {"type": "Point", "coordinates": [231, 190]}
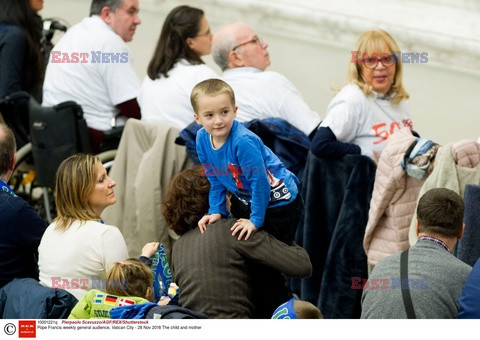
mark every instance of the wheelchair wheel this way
{"type": "Point", "coordinates": [25, 186]}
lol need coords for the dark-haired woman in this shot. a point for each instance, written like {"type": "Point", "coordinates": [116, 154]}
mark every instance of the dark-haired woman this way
{"type": "Point", "coordinates": [176, 67]}
{"type": "Point", "coordinates": [21, 63]}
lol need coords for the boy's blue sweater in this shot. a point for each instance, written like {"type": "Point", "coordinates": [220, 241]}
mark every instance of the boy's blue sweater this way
{"type": "Point", "coordinates": [248, 169]}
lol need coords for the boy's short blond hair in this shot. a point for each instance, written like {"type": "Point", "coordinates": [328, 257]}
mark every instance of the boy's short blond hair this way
{"type": "Point", "coordinates": [210, 87]}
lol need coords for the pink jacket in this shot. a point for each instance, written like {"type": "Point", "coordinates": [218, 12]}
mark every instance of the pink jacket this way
{"type": "Point", "coordinates": [393, 201]}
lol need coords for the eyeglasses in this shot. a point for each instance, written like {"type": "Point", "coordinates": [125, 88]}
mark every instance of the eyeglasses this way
{"type": "Point", "coordinates": [373, 62]}
{"type": "Point", "coordinates": [255, 41]}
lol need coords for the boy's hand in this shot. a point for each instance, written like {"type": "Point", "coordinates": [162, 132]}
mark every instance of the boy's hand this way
{"type": "Point", "coordinates": [245, 227]}
{"type": "Point", "coordinates": [208, 219]}
{"type": "Point", "coordinates": [149, 249]}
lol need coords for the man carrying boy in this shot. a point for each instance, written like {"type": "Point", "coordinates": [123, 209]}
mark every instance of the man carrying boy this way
{"type": "Point", "coordinates": [264, 193]}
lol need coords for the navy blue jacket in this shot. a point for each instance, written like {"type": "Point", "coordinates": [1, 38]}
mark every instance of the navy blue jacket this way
{"type": "Point", "coordinates": [21, 230]}
{"type": "Point", "coordinates": [470, 297]}
{"type": "Point", "coordinates": [28, 299]}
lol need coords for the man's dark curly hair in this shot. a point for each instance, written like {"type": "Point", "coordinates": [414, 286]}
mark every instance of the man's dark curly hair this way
{"type": "Point", "coordinates": [186, 200]}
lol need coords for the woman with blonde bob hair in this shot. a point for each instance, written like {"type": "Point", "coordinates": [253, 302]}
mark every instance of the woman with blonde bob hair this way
{"type": "Point", "coordinates": [78, 248]}
{"type": "Point", "coordinates": [371, 105]}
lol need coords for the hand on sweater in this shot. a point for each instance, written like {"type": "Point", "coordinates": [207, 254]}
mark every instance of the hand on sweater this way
{"type": "Point", "coordinates": [245, 227]}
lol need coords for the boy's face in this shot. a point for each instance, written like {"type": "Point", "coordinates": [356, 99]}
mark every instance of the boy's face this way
{"type": "Point", "coordinates": [216, 114]}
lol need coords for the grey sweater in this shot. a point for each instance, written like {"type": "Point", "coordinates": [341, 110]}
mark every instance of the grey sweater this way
{"type": "Point", "coordinates": [212, 268]}
{"type": "Point", "coordinates": [436, 281]}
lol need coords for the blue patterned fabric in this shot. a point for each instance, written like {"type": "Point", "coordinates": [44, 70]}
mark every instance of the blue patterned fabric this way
{"type": "Point", "coordinates": [285, 311]}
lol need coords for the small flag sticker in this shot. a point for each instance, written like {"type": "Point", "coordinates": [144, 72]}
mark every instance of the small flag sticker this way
{"type": "Point", "coordinates": [126, 302]}
{"type": "Point", "coordinates": [98, 299]}
{"type": "Point", "coordinates": [110, 300]}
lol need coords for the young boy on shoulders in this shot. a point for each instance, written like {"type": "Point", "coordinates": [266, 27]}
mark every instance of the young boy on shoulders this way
{"type": "Point", "coordinates": [235, 160]}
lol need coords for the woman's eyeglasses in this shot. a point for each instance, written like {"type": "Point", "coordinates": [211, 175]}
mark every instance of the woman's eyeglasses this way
{"type": "Point", "coordinates": [373, 62]}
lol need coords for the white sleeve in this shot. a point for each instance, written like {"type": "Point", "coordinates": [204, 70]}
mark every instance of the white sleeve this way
{"type": "Point", "coordinates": [295, 110]}
{"type": "Point", "coordinates": [114, 248]}
{"type": "Point", "coordinates": [205, 72]}
{"type": "Point", "coordinates": [121, 79]}
{"type": "Point", "coordinates": [342, 118]}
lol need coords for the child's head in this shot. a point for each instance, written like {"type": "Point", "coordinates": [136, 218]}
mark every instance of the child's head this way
{"type": "Point", "coordinates": [130, 278]}
{"type": "Point", "coordinates": [210, 87]}
{"type": "Point", "coordinates": [297, 309]}
{"type": "Point", "coordinates": [214, 104]}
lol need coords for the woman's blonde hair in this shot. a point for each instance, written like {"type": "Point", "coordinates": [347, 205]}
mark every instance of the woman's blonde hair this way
{"type": "Point", "coordinates": [374, 42]}
{"type": "Point", "coordinates": [130, 278]}
{"type": "Point", "coordinates": [75, 179]}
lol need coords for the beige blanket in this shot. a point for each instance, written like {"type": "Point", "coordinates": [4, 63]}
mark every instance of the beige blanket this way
{"type": "Point", "coordinates": [146, 160]}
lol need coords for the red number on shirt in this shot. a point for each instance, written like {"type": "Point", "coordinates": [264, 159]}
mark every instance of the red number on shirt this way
{"type": "Point", "coordinates": [380, 133]}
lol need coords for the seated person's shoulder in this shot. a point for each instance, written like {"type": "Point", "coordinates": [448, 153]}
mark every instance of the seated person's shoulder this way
{"type": "Point", "coordinates": [13, 36]}
{"type": "Point", "coordinates": [13, 31]}
{"type": "Point", "coordinates": [275, 77]}
{"type": "Point", "coordinates": [350, 95]}
{"type": "Point", "coordinates": [17, 205]}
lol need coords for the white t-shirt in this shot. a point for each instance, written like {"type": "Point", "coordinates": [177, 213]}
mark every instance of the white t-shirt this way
{"type": "Point", "coordinates": [106, 77]}
{"type": "Point", "coordinates": [365, 121]}
{"type": "Point", "coordinates": [167, 100]}
{"type": "Point", "coordinates": [82, 252]}
{"type": "Point", "coordinates": [267, 94]}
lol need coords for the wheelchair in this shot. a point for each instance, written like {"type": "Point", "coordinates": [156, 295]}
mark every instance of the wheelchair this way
{"type": "Point", "coordinates": [51, 135]}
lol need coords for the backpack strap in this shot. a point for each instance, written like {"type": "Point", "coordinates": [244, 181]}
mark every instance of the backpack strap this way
{"type": "Point", "coordinates": [407, 298]}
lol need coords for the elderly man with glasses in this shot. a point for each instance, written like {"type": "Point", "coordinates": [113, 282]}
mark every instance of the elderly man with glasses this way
{"type": "Point", "coordinates": [243, 57]}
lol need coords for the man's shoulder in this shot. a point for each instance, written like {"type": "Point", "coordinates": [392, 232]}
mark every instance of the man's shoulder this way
{"type": "Point", "coordinates": [390, 262]}
{"type": "Point", "coordinates": [103, 37]}
{"type": "Point", "coordinates": [14, 202]}
{"type": "Point", "coordinates": [433, 256]}
{"type": "Point", "coordinates": [16, 207]}
{"type": "Point", "coordinates": [273, 77]}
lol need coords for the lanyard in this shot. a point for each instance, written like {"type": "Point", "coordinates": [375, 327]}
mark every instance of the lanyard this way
{"type": "Point", "coordinates": [4, 187]}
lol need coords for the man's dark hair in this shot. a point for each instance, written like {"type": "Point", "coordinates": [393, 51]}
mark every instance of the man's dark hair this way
{"type": "Point", "coordinates": [7, 148]}
{"type": "Point", "coordinates": [440, 211]}
{"type": "Point", "coordinates": [97, 6]}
